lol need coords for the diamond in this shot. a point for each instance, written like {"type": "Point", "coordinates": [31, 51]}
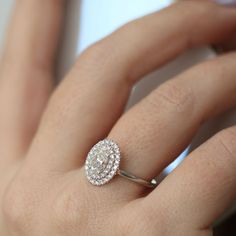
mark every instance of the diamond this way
{"type": "Point", "coordinates": [102, 162]}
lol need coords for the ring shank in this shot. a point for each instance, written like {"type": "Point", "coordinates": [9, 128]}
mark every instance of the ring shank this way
{"type": "Point", "coordinates": [151, 184]}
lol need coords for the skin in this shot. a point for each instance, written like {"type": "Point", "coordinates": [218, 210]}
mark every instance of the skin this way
{"type": "Point", "coordinates": [44, 141]}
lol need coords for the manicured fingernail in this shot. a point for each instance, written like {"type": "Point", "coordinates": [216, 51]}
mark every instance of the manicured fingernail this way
{"type": "Point", "coordinates": [226, 2]}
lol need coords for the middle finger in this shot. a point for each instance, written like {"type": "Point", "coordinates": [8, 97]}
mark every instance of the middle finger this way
{"type": "Point", "coordinates": [92, 98]}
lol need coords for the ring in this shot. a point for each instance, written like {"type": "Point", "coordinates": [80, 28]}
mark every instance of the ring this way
{"type": "Point", "coordinates": [102, 164]}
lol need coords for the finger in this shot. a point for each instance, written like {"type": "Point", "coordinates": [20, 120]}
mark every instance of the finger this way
{"type": "Point", "coordinates": [28, 69]}
{"type": "Point", "coordinates": [154, 132]}
{"type": "Point", "coordinates": [204, 185]}
{"type": "Point", "coordinates": [91, 99]}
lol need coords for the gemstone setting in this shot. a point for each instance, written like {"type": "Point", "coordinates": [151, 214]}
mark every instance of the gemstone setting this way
{"type": "Point", "coordinates": [102, 162]}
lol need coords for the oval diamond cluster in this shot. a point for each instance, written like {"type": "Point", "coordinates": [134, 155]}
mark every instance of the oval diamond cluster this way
{"type": "Point", "coordinates": [102, 162]}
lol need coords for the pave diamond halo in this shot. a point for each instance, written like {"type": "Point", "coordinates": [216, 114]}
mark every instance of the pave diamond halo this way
{"type": "Point", "coordinates": [102, 162]}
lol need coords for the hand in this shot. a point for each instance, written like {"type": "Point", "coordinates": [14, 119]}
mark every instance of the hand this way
{"type": "Point", "coordinates": [44, 190]}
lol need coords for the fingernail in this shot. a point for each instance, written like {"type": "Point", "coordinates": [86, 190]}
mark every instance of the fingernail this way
{"type": "Point", "coordinates": [226, 2]}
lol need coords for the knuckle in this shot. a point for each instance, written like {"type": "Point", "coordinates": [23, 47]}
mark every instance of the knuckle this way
{"type": "Point", "coordinates": [191, 9]}
{"type": "Point", "coordinates": [97, 56]}
{"type": "Point", "coordinates": [127, 226]}
{"type": "Point", "coordinates": [70, 211]}
{"type": "Point", "coordinates": [226, 140]}
{"type": "Point", "coordinates": [133, 27]}
{"type": "Point", "coordinates": [38, 70]}
{"type": "Point", "coordinates": [222, 162]}
{"type": "Point", "coordinates": [129, 229]}
{"type": "Point", "coordinates": [148, 220]}
{"type": "Point", "coordinates": [18, 207]}
{"type": "Point", "coordinates": [194, 11]}
{"type": "Point", "coordinates": [174, 97]}
{"type": "Point", "coordinates": [147, 215]}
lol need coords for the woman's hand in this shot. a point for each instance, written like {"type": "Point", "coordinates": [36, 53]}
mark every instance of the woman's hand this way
{"type": "Point", "coordinates": [44, 190]}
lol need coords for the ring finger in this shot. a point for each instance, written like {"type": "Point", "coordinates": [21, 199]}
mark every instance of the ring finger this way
{"type": "Point", "coordinates": [155, 131]}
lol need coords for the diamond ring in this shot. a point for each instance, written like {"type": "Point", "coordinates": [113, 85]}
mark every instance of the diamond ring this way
{"type": "Point", "coordinates": [103, 162]}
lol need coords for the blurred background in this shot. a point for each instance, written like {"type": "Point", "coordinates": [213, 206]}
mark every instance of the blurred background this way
{"type": "Point", "coordinates": [90, 20]}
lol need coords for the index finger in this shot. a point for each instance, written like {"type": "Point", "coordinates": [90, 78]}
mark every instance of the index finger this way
{"type": "Point", "coordinates": [27, 72]}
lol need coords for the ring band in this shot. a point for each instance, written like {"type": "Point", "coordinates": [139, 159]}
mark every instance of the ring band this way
{"type": "Point", "coordinates": [131, 177]}
{"type": "Point", "coordinates": [102, 164]}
